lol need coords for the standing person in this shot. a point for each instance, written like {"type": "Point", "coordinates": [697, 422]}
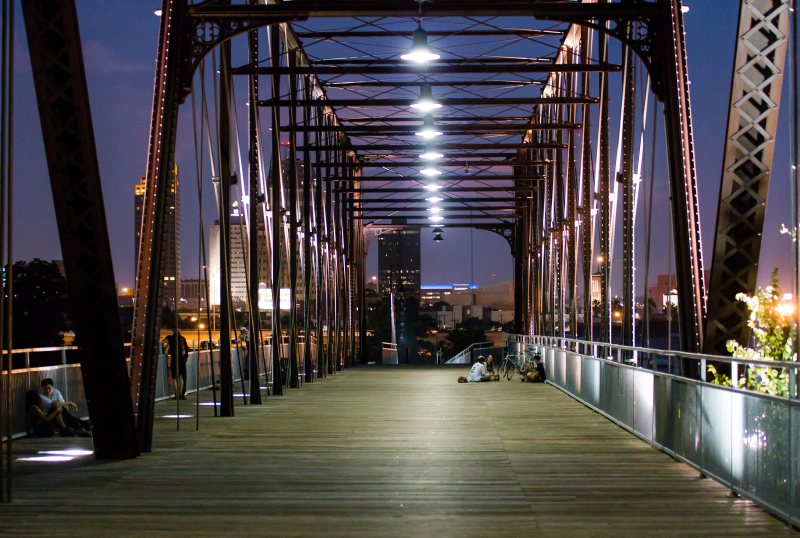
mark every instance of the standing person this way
{"type": "Point", "coordinates": [52, 399]}
{"type": "Point", "coordinates": [244, 338]}
{"type": "Point", "coordinates": [177, 355]}
{"type": "Point", "coordinates": [478, 371]}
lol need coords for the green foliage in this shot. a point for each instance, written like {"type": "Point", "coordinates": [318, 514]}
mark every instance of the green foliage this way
{"type": "Point", "coordinates": [470, 331]}
{"type": "Point", "coordinates": [774, 336]}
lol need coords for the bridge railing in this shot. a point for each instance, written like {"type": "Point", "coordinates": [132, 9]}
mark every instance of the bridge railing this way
{"type": "Point", "coordinates": [69, 380]}
{"type": "Point", "coordinates": [470, 353]}
{"type": "Point", "coordinates": [746, 440]}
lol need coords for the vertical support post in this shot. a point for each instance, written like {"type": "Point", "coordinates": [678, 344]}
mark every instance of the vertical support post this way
{"type": "Point", "coordinates": [628, 200]}
{"type": "Point", "coordinates": [605, 203]}
{"type": "Point", "coordinates": [225, 182]}
{"type": "Point", "coordinates": [307, 231]}
{"type": "Point", "coordinates": [587, 200]}
{"type": "Point", "coordinates": [683, 178]}
{"type": "Point", "coordinates": [275, 201]}
{"type": "Point", "coordinates": [254, 349]}
{"type": "Point", "coordinates": [294, 380]}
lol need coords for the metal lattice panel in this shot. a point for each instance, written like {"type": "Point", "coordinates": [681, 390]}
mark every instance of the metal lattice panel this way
{"type": "Point", "coordinates": [752, 123]}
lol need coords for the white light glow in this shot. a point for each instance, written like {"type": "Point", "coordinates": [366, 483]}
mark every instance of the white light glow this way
{"type": "Point", "coordinates": [425, 105]}
{"type": "Point", "coordinates": [684, 9]}
{"type": "Point", "coordinates": [434, 199]}
{"type": "Point", "coordinates": [68, 452]}
{"type": "Point", "coordinates": [430, 156]}
{"type": "Point", "coordinates": [433, 187]}
{"type": "Point", "coordinates": [436, 218]}
{"type": "Point", "coordinates": [435, 209]}
{"type": "Point", "coordinates": [430, 172]}
{"type": "Point", "coordinates": [177, 416]}
{"type": "Point", "coordinates": [420, 52]}
{"type": "Point", "coordinates": [428, 133]}
{"type": "Point", "coordinates": [47, 458]}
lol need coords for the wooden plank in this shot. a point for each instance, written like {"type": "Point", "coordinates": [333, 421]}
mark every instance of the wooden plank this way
{"type": "Point", "coordinates": [380, 451]}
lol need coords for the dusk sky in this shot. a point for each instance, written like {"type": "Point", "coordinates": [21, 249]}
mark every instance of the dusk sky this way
{"type": "Point", "coordinates": [119, 43]}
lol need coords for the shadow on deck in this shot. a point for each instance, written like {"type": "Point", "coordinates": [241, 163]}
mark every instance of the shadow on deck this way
{"type": "Point", "coordinates": [381, 451]}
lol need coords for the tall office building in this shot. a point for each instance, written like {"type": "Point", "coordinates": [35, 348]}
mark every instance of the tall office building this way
{"type": "Point", "coordinates": [399, 256]}
{"type": "Point", "coordinates": [172, 252]}
{"type": "Point", "coordinates": [238, 252]}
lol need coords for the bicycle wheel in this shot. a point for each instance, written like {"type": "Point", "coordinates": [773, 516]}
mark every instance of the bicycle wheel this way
{"type": "Point", "coordinates": [511, 367]}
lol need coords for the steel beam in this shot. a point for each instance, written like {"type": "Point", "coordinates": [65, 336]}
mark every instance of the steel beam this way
{"type": "Point", "coordinates": [427, 70]}
{"type": "Point", "coordinates": [521, 32]}
{"type": "Point", "coordinates": [477, 128]}
{"type": "Point", "coordinates": [63, 99]}
{"type": "Point", "coordinates": [448, 101]}
{"type": "Point", "coordinates": [450, 146]}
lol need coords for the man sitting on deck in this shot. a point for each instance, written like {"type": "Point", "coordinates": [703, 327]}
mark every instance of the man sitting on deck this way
{"type": "Point", "coordinates": [478, 371]}
{"type": "Point", "coordinates": [51, 399]}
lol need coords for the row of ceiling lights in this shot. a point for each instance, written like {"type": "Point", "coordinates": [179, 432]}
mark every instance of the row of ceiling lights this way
{"type": "Point", "coordinates": [421, 53]}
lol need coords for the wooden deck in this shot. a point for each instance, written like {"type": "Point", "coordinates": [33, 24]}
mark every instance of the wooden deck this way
{"type": "Point", "coordinates": [379, 452]}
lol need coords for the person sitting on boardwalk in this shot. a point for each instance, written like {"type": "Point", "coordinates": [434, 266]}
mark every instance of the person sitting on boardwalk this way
{"type": "Point", "coordinates": [41, 424]}
{"type": "Point", "coordinates": [478, 371]}
{"type": "Point", "coordinates": [51, 398]}
{"type": "Point", "coordinates": [535, 373]}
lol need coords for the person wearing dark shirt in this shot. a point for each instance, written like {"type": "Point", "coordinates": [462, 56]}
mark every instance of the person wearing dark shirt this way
{"type": "Point", "coordinates": [535, 373]}
{"type": "Point", "coordinates": [177, 355]}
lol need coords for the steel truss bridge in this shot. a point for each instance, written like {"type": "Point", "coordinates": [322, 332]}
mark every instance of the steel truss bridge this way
{"type": "Point", "coordinates": [525, 88]}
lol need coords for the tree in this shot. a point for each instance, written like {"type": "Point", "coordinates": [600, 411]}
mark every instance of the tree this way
{"type": "Point", "coordinates": [774, 336]}
{"type": "Point", "coordinates": [41, 310]}
{"type": "Point", "coordinates": [468, 332]}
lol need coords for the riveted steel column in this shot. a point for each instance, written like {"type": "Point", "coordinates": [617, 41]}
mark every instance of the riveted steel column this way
{"type": "Point", "coordinates": [294, 380]}
{"type": "Point", "coordinates": [254, 343]}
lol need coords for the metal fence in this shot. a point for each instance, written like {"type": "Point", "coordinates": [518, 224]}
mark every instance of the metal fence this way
{"type": "Point", "coordinates": [744, 439]}
{"type": "Point", "coordinates": [69, 381]}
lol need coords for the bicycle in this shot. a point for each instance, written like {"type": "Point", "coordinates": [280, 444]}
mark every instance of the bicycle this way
{"type": "Point", "coordinates": [513, 363]}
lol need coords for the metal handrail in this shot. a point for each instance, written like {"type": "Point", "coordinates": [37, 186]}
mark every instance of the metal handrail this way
{"type": "Point", "coordinates": [634, 356]}
{"type": "Point", "coordinates": [464, 352]}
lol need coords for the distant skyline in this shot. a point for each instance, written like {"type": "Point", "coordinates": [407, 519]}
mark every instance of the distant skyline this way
{"type": "Point", "coordinates": [119, 43]}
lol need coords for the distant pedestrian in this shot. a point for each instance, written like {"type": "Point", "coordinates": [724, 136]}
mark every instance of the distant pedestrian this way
{"type": "Point", "coordinates": [177, 355]}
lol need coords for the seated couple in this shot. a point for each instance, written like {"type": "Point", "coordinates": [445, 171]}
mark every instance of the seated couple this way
{"type": "Point", "coordinates": [48, 413]}
{"type": "Point", "coordinates": [482, 370]}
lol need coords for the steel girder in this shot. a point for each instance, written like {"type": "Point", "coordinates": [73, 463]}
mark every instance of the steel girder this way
{"type": "Point", "coordinates": [62, 96]}
{"type": "Point", "coordinates": [763, 36]}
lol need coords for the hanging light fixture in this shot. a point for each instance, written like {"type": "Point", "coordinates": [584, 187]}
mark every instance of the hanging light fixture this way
{"type": "Point", "coordinates": [428, 129]}
{"type": "Point", "coordinates": [430, 154]}
{"type": "Point", "coordinates": [430, 172]}
{"type": "Point", "coordinates": [420, 52]}
{"type": "Point", "coordinates": [437, 235]}
{"type": "Point", "coordinates": [426, 102]}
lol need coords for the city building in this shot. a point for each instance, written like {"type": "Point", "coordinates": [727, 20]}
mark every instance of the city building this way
{"type": "Point", "coordinates": [172, 254]}
{"type": "Point", "coordinates": [238, 252]}
{"type": "Point", "coordinates": [434, 293]}
{"type": "Point", "coordinates": [399, 257]}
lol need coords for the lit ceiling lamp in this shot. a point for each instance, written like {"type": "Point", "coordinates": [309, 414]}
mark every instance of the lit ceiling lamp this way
{"type": "Point", "coordinates": [436, 218]}
{"type": "Point", "coordinates": [430, 172]}
{"type": "Point", "coordinates": [434, 199]}
{"type": "Point", "coordinates": [433, 187]}
{"type": "Point", "coordinates": [420, 52]}
{"type": "Point", "coordinates": [425, 102]}
{"type": "Point", "coordinates": [428, 129]}
{"type": "Point", "coordinates": [430, 154]}
{"type": "Point", "coordinates": [435, 209]}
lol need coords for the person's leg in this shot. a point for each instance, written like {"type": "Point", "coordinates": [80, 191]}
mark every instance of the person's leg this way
{"type": "Point", "coordinates": [69, 420]}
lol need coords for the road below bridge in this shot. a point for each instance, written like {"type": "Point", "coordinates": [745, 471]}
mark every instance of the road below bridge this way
{"type": "Point", "coordinates": [381, 452]}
